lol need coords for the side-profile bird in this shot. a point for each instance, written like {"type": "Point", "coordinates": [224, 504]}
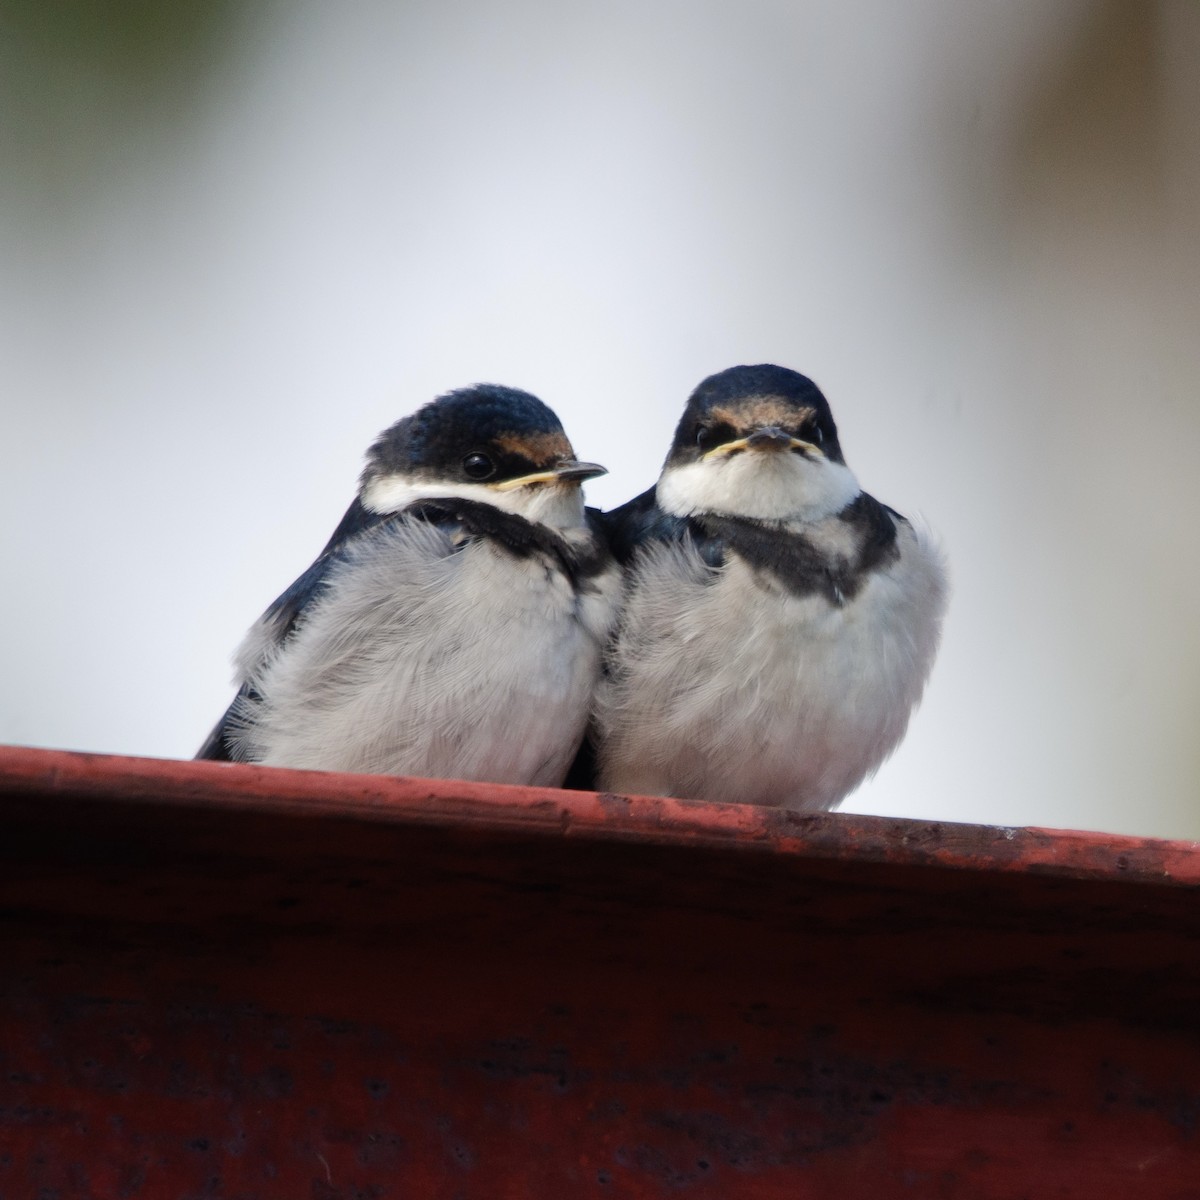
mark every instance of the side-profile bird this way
{"type": "Point", "coordinates": [779, 623]}
{"type": "Point", "coordinates": [454, 625]}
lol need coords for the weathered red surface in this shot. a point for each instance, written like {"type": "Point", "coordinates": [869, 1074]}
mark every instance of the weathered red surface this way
{"type": "Point", "coordinates": [229, 981]}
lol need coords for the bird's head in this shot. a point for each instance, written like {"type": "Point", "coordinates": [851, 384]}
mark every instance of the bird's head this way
{"type": "Point", "coordinates": [756, 442]}
{"type": "Point", "coordinates": [486, 443]}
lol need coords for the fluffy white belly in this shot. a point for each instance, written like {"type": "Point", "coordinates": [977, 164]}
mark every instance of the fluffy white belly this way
{"type": "Point", "coordinates": [421, 661]}
{"type": "Point", "coordinates": [735, 690]}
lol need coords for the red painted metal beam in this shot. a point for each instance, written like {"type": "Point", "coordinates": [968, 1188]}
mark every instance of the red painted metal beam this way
{"type": "Point", "coordinates": [232, 981]}
{"type": "Point", "coordinates": [27, 775]}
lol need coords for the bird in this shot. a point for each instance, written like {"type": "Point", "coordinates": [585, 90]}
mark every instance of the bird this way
{"type": "Point", "coordinates": [454, 624]}
{"type": "Point", "coordinates": [779, 623]}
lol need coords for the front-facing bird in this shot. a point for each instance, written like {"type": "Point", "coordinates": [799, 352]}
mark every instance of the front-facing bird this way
{"type": "Point", "coordinates": [779, 622]}
{"type": "Point", "coordinates": [454, 624]}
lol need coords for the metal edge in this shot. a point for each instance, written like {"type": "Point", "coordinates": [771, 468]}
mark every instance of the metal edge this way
{"type": "Point", "coordinates": [28, 773]}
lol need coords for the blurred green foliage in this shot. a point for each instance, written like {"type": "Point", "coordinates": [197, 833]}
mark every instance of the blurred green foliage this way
{"type": "Point", "coordinates": [135, 43]}
{"type": "Point", "coordinates": [84, 83]}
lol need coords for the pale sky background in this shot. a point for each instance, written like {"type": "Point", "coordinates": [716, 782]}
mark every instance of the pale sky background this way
{"type": "Point", "coordinates": [236, 246]}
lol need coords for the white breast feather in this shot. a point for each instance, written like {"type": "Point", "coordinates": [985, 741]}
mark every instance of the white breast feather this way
{"type": "Point", "coordinates": [733, 689]}
{"type": "Point", "coordinates": [425, 660]}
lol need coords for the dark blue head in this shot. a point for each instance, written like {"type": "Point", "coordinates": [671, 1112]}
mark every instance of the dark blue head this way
{"type": "Point", "coordinates": [485, 434]}
{"type": "Point", "coordinates": [750, 402]}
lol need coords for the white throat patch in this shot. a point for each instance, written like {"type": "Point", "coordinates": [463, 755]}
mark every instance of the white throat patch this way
{"type": "Point", "coordinates": [765, 485]}
{"type": "Point", "coordinates": [558, 505]}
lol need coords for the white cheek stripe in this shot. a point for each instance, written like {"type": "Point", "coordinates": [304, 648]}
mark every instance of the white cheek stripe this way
{"type": "Point", "coordinates": [391, 493]}
{"type": "Point", "coordinates": [559, 505]}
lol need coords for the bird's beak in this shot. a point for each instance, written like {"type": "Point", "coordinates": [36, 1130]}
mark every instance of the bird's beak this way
{"type": "Point", "coordinates": [569, 471]}
{"type": "Point", "coordinates": [766, 438]}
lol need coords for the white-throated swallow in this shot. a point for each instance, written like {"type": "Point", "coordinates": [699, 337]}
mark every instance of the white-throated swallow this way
{"type": "Point", "coordinates": [779, 623]}
{"type": "Point", "coordinates": [453, 626]}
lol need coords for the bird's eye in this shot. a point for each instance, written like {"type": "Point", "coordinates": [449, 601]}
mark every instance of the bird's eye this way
{"type": "Point", "coordinates": [709, 436]}
{"type": "Point", "coordinates": [818, 435]}
{"type": "Point", "coordinates": [478, 466]}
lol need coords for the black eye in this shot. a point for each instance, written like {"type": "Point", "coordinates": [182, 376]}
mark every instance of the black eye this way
{"type": "Point", "coordinates": [817, 435]}
{"type": "Point", "coordinates": [478, 466]}
{"type": "Point", "coordinates": [709, 436]}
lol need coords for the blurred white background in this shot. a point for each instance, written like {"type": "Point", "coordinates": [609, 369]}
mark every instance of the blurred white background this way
{"type": "Point", "coordinates": [235, 248]}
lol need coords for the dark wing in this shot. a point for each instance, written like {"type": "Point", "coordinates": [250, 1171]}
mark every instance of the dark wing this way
{"type": "Point", "coordinates": [216, 745]}
{"type": "Point", "coordinates": [635, 522]}
{"type": "Point", "coordinates": [283, 613]}
{"type": "Point", "coordinates": [275, 626]}
{"type": "Point", "coordinates": [640, 521]}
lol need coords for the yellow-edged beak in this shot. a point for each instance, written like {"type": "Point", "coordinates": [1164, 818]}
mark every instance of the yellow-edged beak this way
{"type": "Point", "coordinates": [769, 437]}
{"type": "Point", "coordinates": [566, 472]}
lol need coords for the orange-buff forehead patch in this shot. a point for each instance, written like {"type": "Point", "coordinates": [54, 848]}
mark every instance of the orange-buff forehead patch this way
{"type": "Point", "coordinates": [755, 411]}
{"type": "Point", "coordinates": [540, 448]}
